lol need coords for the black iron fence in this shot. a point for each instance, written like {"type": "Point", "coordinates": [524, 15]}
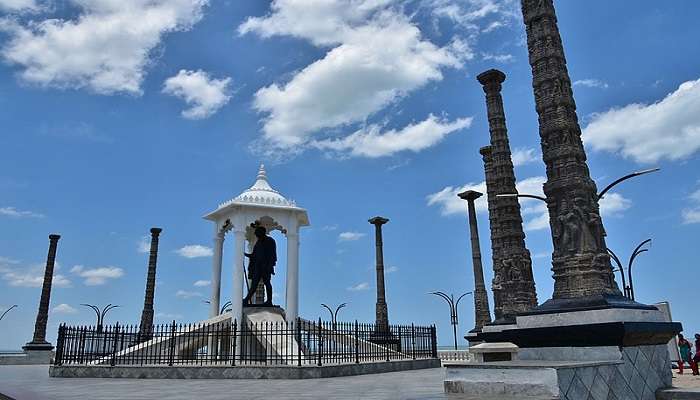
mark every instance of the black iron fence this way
{"type": "Point", "coordinates": [282, 343]}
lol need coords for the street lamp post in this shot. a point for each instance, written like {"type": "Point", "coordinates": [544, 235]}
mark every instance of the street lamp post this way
{"type": "Point", "coordinates": [101, 313]}
{"type": "Point", "coordinates": [454, 317]}
{"type": "Point", "coordinates": [629, 290]}
{"type": "Point", "coordinates": [224, 308]}
{"type": "Point", "coordinates": [7, 311]}
{"type": "Point", "coordinates": [334, 314]}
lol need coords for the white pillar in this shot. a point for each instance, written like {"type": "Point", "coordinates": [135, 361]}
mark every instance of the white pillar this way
{"type": "Point", "coordinates": [292, 306]}
{"type": "Point", "coordinates": [237, 289]}
{"type": "Point", "coordinates": [216, 273]}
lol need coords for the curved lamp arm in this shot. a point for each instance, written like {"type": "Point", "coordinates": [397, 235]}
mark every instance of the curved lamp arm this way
{"type": "Point", "coordinates": [338, 309]}
{"type": "Point", "coordinates": [529, 196]}
{"type": "Point", "coordinates": [95, 309]}
{"type": "Point", "coordinates": [7, 311]}
{"type": "Point", "coordinates": [624, 178]}
{"type": "Point", "coordinates": [330, 310]}
{"type": "Point", "coordinates": [447, 298]}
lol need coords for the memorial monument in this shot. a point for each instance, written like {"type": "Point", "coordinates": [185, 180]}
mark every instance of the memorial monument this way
{"type": "Point", "coordinates": [39, 343]}
{"type": "Point", "coordinates": [513, 282]}
{"type": "Point", "coordinates": [147, 313]}
{"type": "Point", "coordinates": [382, 313]}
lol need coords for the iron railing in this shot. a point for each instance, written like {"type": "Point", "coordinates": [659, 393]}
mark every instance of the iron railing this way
{"type": "Point", "coordinates": [282, 343]}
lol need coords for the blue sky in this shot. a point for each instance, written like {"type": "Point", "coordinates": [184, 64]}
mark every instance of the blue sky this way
{"type": "Point", "coordinates": [117, 116]}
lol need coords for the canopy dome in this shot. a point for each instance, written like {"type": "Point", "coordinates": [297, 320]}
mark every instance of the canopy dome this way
{"type": "Point", "coordinates": [262, 193]}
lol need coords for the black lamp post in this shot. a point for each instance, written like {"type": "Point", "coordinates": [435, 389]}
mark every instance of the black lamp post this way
{"type": "Point", "coordinates": [334, 314]}
{"type": "Point", "coordinates": [454, 317]}
{"type": "Point", "coordinates": [628, 290]}
{"type": "Point", "coordinates": [7, 311]}
{"type": "Point", "coordinates": [101, 313]}
{"type": "Point", "coordinates": [224, 308]}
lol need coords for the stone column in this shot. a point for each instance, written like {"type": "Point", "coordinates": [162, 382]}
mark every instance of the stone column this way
{"type": "Point", "coordinates": [237, 288]}
{"type": "Point", "coordinates": [382, 323]}
{"type": "Point", "coordinates": [215, 301]}
{"type": "Point", "coordinates": [147, 313]}
{"type": "Point", "coordinates": [482, 315]}
{"type": "Point", "coordinates": [580, 262]}
{"type": "Point", "coordinates": [292, 294]}
{"type": "Point", "coordinates": [511, 259]}
{"type": "Point", "coordinates": [42, 317]}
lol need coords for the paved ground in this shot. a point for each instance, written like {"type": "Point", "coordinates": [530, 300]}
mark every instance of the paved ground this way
{"type": "Point", "coordinates": [33, 383]}
{"type": "Point", "coordinates": [687, 380]}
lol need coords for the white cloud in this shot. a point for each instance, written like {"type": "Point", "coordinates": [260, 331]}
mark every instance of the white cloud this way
{"type": "Point", "coordinates": [144, 245]}
{"type": "Point", "coordinates": [97, 276]}
{"type": "Point", "coordinates": [329, 227]}
{"type": "Point", "coordinates": [612, 204]}
{"type": "Point", "coordinates": [376, 56]}
{"type": "Point", "coordinates": [64, 308]}
{"type": "Point", "coordinates": [391, 269]}
{"type": "Point", "coordinates": [194, 251]}
{"type": "Point", "coordinates": [450, 204]}
{"type": "Point", "coordinates": [371, 142]}
{"type": "Point", "coordinates": [646, 133]}
{"type": "Point", "coordinates": [106, 48]}
{"type": "Point", "coordinates": [359, 287]}
{"type": "Point", "coordinates": [15, 213]}
{"type": "Point", "coordinates": [204, 95]}
{"type": "Point", "coordinates": [18, 5]}
{"type": "Point", "coordinates": [350, 236]}
{"type": "Point", "coordinates": [591, 83]}
{"type": "Point", "coordinates": [168, 317]}
{"type": "Point", "coordinates": [522, 156]}
{"type": "Point", "coordinates": [29, 276]}
{"type": "Point", "coordinates": [691, 215]}
{"type": "Point", "coordinates": [468, 14]}
{"type": "Point", "coordinates": [499, 58]}
{"type": "Point", "coordinates": [202, 283]}
{"type": "Point", "coordinates": [184, 294]}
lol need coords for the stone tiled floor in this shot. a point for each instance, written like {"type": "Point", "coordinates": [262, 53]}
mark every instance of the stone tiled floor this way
{"type": "Point", "coordinates": [33, 383]}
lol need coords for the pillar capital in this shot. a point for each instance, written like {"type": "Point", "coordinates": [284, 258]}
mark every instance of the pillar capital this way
{"type": "Point", "coordinates": [156, 231]}
{"type": "Point", "coordinates": [54, 237]}
{"type": "Point", "coordinates": [470, 195]}
{"type": "Point", "coordinates": [378, 221]}
{"type": "Point", "coordinates": [491, 80]}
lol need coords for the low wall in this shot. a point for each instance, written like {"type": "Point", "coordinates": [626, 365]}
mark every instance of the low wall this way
{"type": "Point", "coordinates": [238, 372]}
{"type": "Point", "coordinates": [27, 358]}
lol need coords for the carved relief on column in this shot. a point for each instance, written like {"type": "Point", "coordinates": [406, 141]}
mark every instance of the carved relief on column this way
{"type": "Point", "coordinates": [580, 263]}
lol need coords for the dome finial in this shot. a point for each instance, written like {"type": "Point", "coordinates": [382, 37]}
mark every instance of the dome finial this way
{"type": "Point", "coordinates": [261, 173]}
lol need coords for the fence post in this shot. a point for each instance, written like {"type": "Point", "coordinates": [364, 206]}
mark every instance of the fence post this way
{"type": "Point", "coordinates": [413, 341]}
{"type": "Point", "coordinates": [233, 343]}
{"type": "Point", "coordinates": [112, 362]}
{"type": "Point", "coordinates": [59, 344]}
{"type": "Point", "coordinates": [400, 347]}
{"type": "Point", "coordinates": [320, 342]}
{"type": "Point", "coordinates": [298, 341]}
{"type": "Point", "coordinates": [357, 343]}
{"type": "Point", "coordinates": [433, 339]}
{"type": "Point", "coordinates": [171, 348]}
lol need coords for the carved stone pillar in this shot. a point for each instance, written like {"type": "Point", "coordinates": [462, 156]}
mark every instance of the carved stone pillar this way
{"type": "Point", "coordinates": [511, 259]}
{"type": "Point", "coordinates": [147, 313]}
{"type": "Point", "coordinates": [42, 317]}
{"type": "Point", "coordinates": [482, 315]}
{"type": "Point", "coordinates": [382, 324]}
{"type": "Point", "coordinates": [580, 262]}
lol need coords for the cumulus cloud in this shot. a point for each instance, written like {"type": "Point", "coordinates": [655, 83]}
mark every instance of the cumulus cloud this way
{"type": "Point", "coordinates": [691, 215]}
{"type": "Point", "coordinates": [18, 5]}
{"type": "Point", "coordinates": [534, 212]}
{"type": "Point", "coordinates": [371, 142]}
{"type": "Point", "coordinates": [522, 156]}
{"type": "Point", "coordinates": [144, 245]}
{"type": "Point", "coordinates": [64, 308]}
{"type": "Point", "coordinates": [18, 275]}
{"type": "Point", "coordinates": [97, 276]}
{"type": "Point", "coordinates": [204, 95]}
{"type": "Point", "coordinates": [359, 287]}
{"type": "Point", "coordinates": [350, 236]}
{"type": "Point", "coordinates": [646, 133]}
{"type": "Point", "coordinates": [391, 269]}
{"type": "Point", "coordinates": [195, 251]}
{"type": "Point", "coordinates": [184, 294]}
{"type": "Point", "coordinates": [469, 14]}
{"type": "Point", "coordinates": [15, 213]}
{"type": "Point", "coordinates": [106, 48]}
{"type": "Point", "coordinates": [375, 56]}
{"type": "Point", "coordinates": [202, 283]}
{"type": "Point", "coordinates": [591, 83]}
{"type": "Point", "coordinates": [499, 58]}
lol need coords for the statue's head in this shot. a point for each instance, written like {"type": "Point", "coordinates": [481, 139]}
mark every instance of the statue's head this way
{"type": "Point", "coordinates": [260, 232]}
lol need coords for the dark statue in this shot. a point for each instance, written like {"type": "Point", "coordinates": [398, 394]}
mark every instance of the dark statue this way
{"type": "Point", "coordinates": [262, 264]}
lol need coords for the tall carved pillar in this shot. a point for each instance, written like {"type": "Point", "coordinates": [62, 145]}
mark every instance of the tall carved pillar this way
{"type": "Point", "coordinates": [42, 317]}
{"type": "Point", "coordinates": [580, 262]}
{"type": "Point", "coordinates": [482, 315]}
{"type": "Point", "coordinates": [511, 259]}
{"type": "Point", "coordinates": [147, 313]}
{"type": "Point", "coordinates": [382, 323]}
